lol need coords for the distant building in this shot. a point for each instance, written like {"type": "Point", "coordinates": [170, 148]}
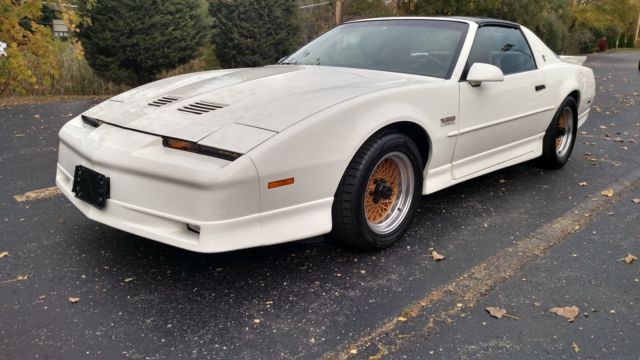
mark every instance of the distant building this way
{"type": "Point", "coordinates": [60, 29]}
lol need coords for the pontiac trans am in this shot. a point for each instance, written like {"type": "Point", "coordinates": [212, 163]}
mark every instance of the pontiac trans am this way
{"type": "Point", "coordinates": [342, 137]}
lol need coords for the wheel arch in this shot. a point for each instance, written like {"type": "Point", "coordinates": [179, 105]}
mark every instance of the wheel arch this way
{"type": "Point", "coordinates": [416, 133]}
{"type": "Point", "coordinates": [575, 94]}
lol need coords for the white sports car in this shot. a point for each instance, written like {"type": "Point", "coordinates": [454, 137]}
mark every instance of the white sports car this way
{"type": "Point", "coordinates": [341, 137]}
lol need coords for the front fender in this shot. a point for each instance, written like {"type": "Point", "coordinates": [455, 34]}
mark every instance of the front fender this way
{"type": "Point", "coordinates": [317, 151]}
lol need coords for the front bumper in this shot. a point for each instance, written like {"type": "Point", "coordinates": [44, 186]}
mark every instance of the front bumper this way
{"type": "Point", "coordinates": [158, 193]}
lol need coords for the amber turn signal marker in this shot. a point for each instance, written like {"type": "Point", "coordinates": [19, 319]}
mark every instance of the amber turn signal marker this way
{"type": "Point", "coordinates": [278, 183]}
{"type": "Point", "coordinates": [180, 144]}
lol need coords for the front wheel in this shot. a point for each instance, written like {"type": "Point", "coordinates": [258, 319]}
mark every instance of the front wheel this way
{"type": "Point", "coordinates": [560, 137]}
{"type": "Point", "coordinates": [378, 193]}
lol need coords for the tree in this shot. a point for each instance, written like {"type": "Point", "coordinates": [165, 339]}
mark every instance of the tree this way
{"type": "Point", "coordinates": [254, 32]}
{"type": "Point", "coordinates": [545, 17]}
{"type": "Point", "coordinates": [606, 18]}
{"type": "Point", "coordinates": [362, 9]}
{"type": "Point", "coordinates": [29, 64]}
{"type": "Point", "coordinates": [131, 41]}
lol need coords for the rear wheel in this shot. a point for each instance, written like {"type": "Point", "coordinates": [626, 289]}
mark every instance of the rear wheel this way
{"type": "Point", "coordinates": [378, 193]}
{"type": "Point", "coordinates": [560, 136]}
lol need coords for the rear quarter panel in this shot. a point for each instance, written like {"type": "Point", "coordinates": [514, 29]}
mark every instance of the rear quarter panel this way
{"type": "Point", "coordinates": [562, 78]}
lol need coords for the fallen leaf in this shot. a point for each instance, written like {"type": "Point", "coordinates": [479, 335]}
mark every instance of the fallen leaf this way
{"type": "Point", "coordinates": [18, 278]}
{"type": "Point", "coordinates": [256, 321]}
{"type": "Point", "coordinates": [36, 116]}
{"type": "Point", "coordinates": [128, 279]}
{"type": "Point", "coordinates": [583, 183]}
{"type": "Point", "coordinates": [436, 256]}
{"type": "Point", "coordinates": [353, 351]}
{"type": "Point", "coordinates": [498, 313]}
{"type": "Point", "coordinates": [575, 347]}
{"type": "Point", "coordinates": [607, 193]}
{"type": "Point", "coordinates": [73, 300]}
{"type": "Point", "coordinates": [402, 318]}
{"type": "Point", "coordinates": [618, 139]}
{"type": "Point", "coordinates": [636, 200]}
{"type": "Point", "coordinates": [629, 259]}
{"type": "Point", "coordinates": [569, 312]}
{"type": "Point", "coordinates": [3, 254]}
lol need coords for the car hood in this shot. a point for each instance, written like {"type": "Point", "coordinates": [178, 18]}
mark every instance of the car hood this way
{"type": "Point", "coordinates": [272, 98]}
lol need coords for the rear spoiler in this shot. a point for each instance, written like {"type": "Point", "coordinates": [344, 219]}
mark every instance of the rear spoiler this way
{"type": "Point", "coordinates": [577, 60]}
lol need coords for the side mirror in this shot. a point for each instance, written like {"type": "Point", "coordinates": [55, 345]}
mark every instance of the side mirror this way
{"type": "Point", "coordinates": [481, 72]}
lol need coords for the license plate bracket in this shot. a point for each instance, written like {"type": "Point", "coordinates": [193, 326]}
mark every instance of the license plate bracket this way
{"type": "Point", "coordinates": [91, 186]}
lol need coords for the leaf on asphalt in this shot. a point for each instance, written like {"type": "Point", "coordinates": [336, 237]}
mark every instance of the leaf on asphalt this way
{"type": "Point", "coordinates": [129, 279]}
{"type": "Point", "coordinates": [436, 256]}
{"type": "Point", "coordinates": [629, 259]}
{"type": "Point", "coordinates": [618, 139]}
{"type": "Point", "coordinates": [402, 318]}
{"type": "Point", "coordinates": [256, 321]}
{"type": "Point", "coordinates": [583, 183]}
{"type": "Point", "coordinates": [36, 116]}
{"type": "Point", "coordinates": [3, 254]}
{"type": "Point", "coordinates": [607, 193]}
{"type": "Point", "coordinates": [575, 347]}
{"type": "Point", "coordinates": [498, 313]}
{"type": "Point", "coordinates": [568, 312]}
{"type": "Point", "coordinates": [636, 200]}
{"type": "Point", "coordinates": [73, 300]}
{"type": "Point", "coordinates": [18, 278]}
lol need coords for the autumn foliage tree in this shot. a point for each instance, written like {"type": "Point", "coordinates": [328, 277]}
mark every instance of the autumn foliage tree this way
{"type": "Point", "coordinates": [29, 64]}
{"type": "Point", "coordinates": [131, 41]}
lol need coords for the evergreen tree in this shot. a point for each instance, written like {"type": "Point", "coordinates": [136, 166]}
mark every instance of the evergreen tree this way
{"type": "Point", "coordinates": [254, 32]}
{"type": "Point", "coordinates": [131, 41]}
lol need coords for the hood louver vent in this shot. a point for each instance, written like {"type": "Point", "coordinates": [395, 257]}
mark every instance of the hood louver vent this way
{"type": "Point", "coordinates": [163, 101]}
{"type": "Point", "coordinates": [200, 107]}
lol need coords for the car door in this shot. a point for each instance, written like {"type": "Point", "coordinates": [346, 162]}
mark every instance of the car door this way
{"type": "Point", "coordinates": [500, 121]}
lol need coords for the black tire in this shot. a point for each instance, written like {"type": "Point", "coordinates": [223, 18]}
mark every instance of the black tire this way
{"type": "Point", "coordinates": [555, 151]}
{"type": "Point", "coordinates": [350, 224]}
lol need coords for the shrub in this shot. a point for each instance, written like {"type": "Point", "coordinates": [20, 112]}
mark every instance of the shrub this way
{"type": "Point", "coordinates": [131, 41]}
{"type": "Point", "coordinates": [254, 33]}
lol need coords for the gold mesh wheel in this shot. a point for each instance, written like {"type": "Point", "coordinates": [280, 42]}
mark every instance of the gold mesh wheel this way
{"type": "Point", "coordinates": [388, 193]}
{"type": "Point", "coordinates": [389, 172]}
{"type": "Point", "coordinates": [565, 132]}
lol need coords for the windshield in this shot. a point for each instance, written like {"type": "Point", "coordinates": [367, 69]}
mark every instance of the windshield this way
{"type": "Point", "coordinates": [423, 47]}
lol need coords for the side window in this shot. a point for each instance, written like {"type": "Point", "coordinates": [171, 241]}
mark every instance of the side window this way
{"type": "Point", "coordinates": [503, 47]}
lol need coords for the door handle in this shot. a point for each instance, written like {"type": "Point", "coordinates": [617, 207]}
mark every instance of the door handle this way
{"type": "Point", "coordinates": [540, 87]}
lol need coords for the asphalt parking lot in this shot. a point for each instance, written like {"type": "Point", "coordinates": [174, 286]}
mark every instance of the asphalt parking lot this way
{"type": "Point", "coordinates": [522, 239]}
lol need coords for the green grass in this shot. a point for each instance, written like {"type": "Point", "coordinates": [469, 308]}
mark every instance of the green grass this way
{"type": "Point", "coordinates": [76, 76]}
